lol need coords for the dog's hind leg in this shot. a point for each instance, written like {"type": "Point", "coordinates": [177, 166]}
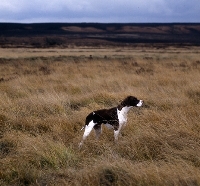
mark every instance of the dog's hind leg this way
{"type": "Point", "coordinates": [88, 129]}
{"type": "Point", "coordinates": [97, 129]}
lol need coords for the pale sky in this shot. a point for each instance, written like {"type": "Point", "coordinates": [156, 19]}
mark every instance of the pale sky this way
{"type": "Point", "coordinates": [103, 11]}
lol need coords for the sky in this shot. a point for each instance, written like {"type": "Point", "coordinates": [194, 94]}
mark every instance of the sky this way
{"type": "Point", "coordinates": [102, 11]}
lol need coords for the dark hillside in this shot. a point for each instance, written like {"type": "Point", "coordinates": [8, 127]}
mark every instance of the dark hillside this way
{"type": "Point", "coordinates": [44, 35]}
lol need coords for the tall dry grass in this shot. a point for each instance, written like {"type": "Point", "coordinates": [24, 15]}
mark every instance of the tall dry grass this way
{"type": "Point", "coordinates": [44, 102]}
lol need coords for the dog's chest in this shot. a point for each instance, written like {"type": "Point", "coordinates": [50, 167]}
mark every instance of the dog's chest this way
{"type": "Point", "coordinates": [122, 114]}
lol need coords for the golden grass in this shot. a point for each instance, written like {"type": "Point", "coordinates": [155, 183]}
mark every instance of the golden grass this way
{"type": "Point", "coordinates": [44, 102]}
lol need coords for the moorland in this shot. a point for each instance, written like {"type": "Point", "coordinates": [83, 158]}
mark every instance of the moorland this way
{"type": "Point", "coordinates": [46, 93]}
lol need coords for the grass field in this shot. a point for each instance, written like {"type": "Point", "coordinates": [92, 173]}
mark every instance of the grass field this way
{"type": "Point", "coordinates": [46, 94]}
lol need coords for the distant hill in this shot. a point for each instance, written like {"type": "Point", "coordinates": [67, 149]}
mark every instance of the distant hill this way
{"type": "Point", "coordinates": [44, 35]}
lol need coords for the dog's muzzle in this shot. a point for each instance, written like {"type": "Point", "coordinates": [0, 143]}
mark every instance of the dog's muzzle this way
{"type": "Point", "coordinates": [140, 103]}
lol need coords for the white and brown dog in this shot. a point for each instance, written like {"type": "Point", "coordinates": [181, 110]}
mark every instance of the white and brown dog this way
{"type": "Point", "coordinates": [113, 118]}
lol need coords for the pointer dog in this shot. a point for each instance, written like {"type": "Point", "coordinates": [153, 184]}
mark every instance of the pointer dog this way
{"type": "Point", "coordinates": [113, 118]}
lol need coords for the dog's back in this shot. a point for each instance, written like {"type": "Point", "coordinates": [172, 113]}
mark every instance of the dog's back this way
{"type": "Point", "coordinates": [102, 116]}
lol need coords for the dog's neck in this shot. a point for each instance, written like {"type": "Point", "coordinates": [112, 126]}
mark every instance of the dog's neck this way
{"type": "Point", "coordinates": [124, 109]}
{"type": "Point", "coordinates": [122, 112]}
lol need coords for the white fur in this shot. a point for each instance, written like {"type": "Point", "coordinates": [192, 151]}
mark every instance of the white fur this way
{"type": "Point", "coordinates": [122, 114]}
{"type": "Point", "coordinates": [140, 103]}
{"type": "Point", "coordinates": [88, 129]}
{"type": "Point", "coordinates": [116, 133]}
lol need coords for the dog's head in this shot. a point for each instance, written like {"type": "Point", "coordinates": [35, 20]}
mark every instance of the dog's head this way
{"type": "Point", "coordinates": [131, 101]}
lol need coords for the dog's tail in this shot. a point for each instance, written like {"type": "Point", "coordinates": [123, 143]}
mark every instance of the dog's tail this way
{"type": "Point", "coordinates": [82, 127]}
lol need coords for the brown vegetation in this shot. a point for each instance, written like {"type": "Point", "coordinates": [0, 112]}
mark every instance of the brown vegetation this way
{"type": "Point", "coordinates": [44, 102]}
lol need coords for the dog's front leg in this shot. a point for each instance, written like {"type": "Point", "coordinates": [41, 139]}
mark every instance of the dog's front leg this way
{"type": "Point", "coordinates": [116, 132]}
{"type": "Point", "coordinates": [117, 129]}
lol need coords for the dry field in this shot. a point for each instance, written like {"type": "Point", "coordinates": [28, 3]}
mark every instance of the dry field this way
{"type": "Point", "coordinates": [46, 94]}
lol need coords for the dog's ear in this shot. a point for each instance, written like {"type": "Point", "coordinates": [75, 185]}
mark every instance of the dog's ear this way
{"type": "Point", "coordinates": [123, 103]}
{"type": "Point", "coordinates": [126, 99]}
{"type": "Point", "coordinates": [120, 107]}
